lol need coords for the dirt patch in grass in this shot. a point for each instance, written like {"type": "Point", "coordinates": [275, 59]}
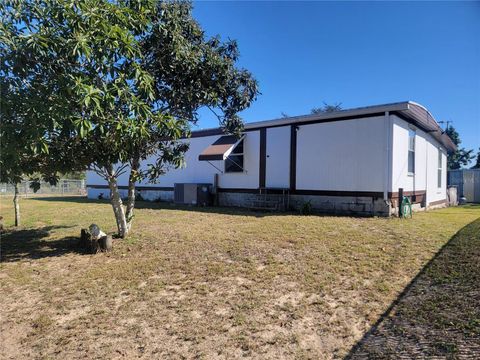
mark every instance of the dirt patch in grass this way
{"type": "Point", "coordinates": [438, 315]}
{"type": "Point", "coordinates": [206, 283]}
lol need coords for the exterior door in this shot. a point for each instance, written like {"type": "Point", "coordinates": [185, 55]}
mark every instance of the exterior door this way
{"type": "Point", "coordinates": [277, 168]}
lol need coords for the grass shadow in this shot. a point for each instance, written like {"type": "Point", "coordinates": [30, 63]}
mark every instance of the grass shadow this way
{"type": "Point", "coordinates": [164, 205]}
{"type": "Point", "coordinates": [438, 313]}
{"type": "Point", "coordinates": [72, 199]}
{"type": "Point", "coordinates": [222, 210]}
{"type": "Point", "coordinates": [23, 244]}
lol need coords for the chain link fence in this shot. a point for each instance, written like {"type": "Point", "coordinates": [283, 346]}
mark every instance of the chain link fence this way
{"type": "Point", "coordinates": [63, 187]}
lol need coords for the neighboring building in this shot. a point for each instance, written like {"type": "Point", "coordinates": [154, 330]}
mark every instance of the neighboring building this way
{"type": "Point", "coordinates": [467, 182]}
{"type": "Point", "coordinates": [349, 161]}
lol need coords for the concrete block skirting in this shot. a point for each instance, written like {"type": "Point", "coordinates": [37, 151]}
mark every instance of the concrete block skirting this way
{"type": "Point", "coordinates": [437, 204]}
{"type": "Point", "coordinates": [347, 205]}
{"type": "Point", "coordinates": [342, 205]}
{"type": "Point", "coordinates": [415, 207]}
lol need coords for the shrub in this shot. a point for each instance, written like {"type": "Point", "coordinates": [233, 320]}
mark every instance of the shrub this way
{"type": "Point", "coordinates": [306, 208]}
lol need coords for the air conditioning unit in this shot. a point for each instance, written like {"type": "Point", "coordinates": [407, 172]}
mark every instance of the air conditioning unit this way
{"type": "Point", "coordinates": [193, 194]}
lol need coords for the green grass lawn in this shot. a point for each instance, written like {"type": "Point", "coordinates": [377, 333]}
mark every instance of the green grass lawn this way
{"type": "Point", "coordinates": [206, 283]}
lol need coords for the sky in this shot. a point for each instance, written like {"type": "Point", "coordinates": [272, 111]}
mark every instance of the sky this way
{"type": "Point", "coordinates": [356, 54]}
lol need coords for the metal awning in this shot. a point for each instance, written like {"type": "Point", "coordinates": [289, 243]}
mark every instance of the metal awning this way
{"type": "Point", "coordinates": [220, 149]}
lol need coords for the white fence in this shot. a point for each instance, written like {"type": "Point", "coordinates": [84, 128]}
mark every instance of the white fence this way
{"type": "Point", "coordinates": [63, 187]}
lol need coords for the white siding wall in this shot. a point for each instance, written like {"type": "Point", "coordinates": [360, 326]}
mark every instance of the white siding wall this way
{"type": "Point", "coordinates": [400, 176]}
{"type": "Point", "coordinates": [249, 178]}
{"type": "Point", "coordinates": [343, 155]}
{"type": "Point", "coordinates": [426, 162]}
{"type": "Point", "coordinates": [201, 171]}
{"type": "Point", "coordinates": [435, 193]}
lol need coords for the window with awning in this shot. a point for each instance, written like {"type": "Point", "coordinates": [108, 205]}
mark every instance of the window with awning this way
{"type": "Point", "coordinates": [228, 148]}
{"type": "Point", "coordinates": [234, 161]}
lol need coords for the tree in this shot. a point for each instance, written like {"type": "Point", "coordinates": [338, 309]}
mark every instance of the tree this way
{"type": "Point", "coordinates": [12, 145]}
{"type": "Point", "coordinates": [23, 154]}
{"type": "Point", "coordinates": [477, 161]}
{"type": "Point", "coordinates": [19, 156]}
{"type": "Point", "coordinates": [461, 157]}
{"type": "Point", "coordinates": [26, 116]}
{"type": "Point", "coordinates": [14, 162]}
{"type": "Point", "coordinates": [327, 108]}
{"type": "Point", "coordinates": [127, 79]}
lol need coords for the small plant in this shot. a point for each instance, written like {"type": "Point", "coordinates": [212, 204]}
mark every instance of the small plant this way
{"type": "Point", "coordinates": [306, 208]}
{"type": "Point", "coordinates": [100, 196]}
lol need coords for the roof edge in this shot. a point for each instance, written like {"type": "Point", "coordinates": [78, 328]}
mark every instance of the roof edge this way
{"type": "Point", "coordinates": [413, 112]}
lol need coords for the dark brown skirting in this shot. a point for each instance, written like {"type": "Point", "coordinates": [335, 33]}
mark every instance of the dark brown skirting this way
{"type": "Point", "coordinates": [438, 202]}
{"type": "Point", "coordinates": [417, 196]}
{"type": "Point", "coordinates": [306, 192]}
{"type": "Point", "coordinates": [373, 194]}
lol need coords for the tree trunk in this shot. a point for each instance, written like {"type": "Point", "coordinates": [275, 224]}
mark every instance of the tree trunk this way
{"type": "Point", "coordinates": [131, 192]}
{"type": "Point", "coordinates": [117, 206]}
{"type": "Point", "coordinates": [16, 203]}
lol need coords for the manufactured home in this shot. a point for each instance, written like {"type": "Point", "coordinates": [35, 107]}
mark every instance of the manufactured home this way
{"type": "Point", "coordinates": [351, 161]}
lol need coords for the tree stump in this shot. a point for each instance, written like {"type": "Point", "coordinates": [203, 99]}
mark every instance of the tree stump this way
{"type": "Point", "coordinates": [88, 243]}
{"type": "Point", "coordinates": [93, 244]}
{"type": "Point", "coordinates": [105, 243]}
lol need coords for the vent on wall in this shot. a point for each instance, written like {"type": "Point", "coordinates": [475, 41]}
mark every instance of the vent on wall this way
{"type": "Point", "coordinates": [193, 194]}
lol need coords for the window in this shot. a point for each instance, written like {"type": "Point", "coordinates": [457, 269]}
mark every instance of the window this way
{"type": "Point", "coordinates": [234, 161]}
{"type": "Point", "coordinates": [439, 179]}
{"type": "Point", "coordinates": [411, 151]}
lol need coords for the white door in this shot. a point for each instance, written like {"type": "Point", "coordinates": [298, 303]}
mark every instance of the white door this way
{"type": "Point", "coordinates": [278, 157]}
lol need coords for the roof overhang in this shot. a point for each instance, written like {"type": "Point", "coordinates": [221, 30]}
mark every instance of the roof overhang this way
{"type": "Point", "coordinates": [221, 148]}
{"type": "Point", "coordinates": [419, 116]}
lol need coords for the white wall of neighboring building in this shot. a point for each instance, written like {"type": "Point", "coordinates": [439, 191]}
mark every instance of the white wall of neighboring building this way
{"type": "Point", "coordinates": [94, 179]}
{"type": "Point", "coordinates": [342, 155]}
{"type": "Point", "coordinates": [426, 162]}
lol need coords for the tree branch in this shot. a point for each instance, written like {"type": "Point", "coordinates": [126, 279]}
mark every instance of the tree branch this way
{"type": "Point", "coordinates": [121, 170]}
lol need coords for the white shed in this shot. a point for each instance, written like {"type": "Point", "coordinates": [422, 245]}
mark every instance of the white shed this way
{"type": "Point", "coordinates": [348, 161]}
